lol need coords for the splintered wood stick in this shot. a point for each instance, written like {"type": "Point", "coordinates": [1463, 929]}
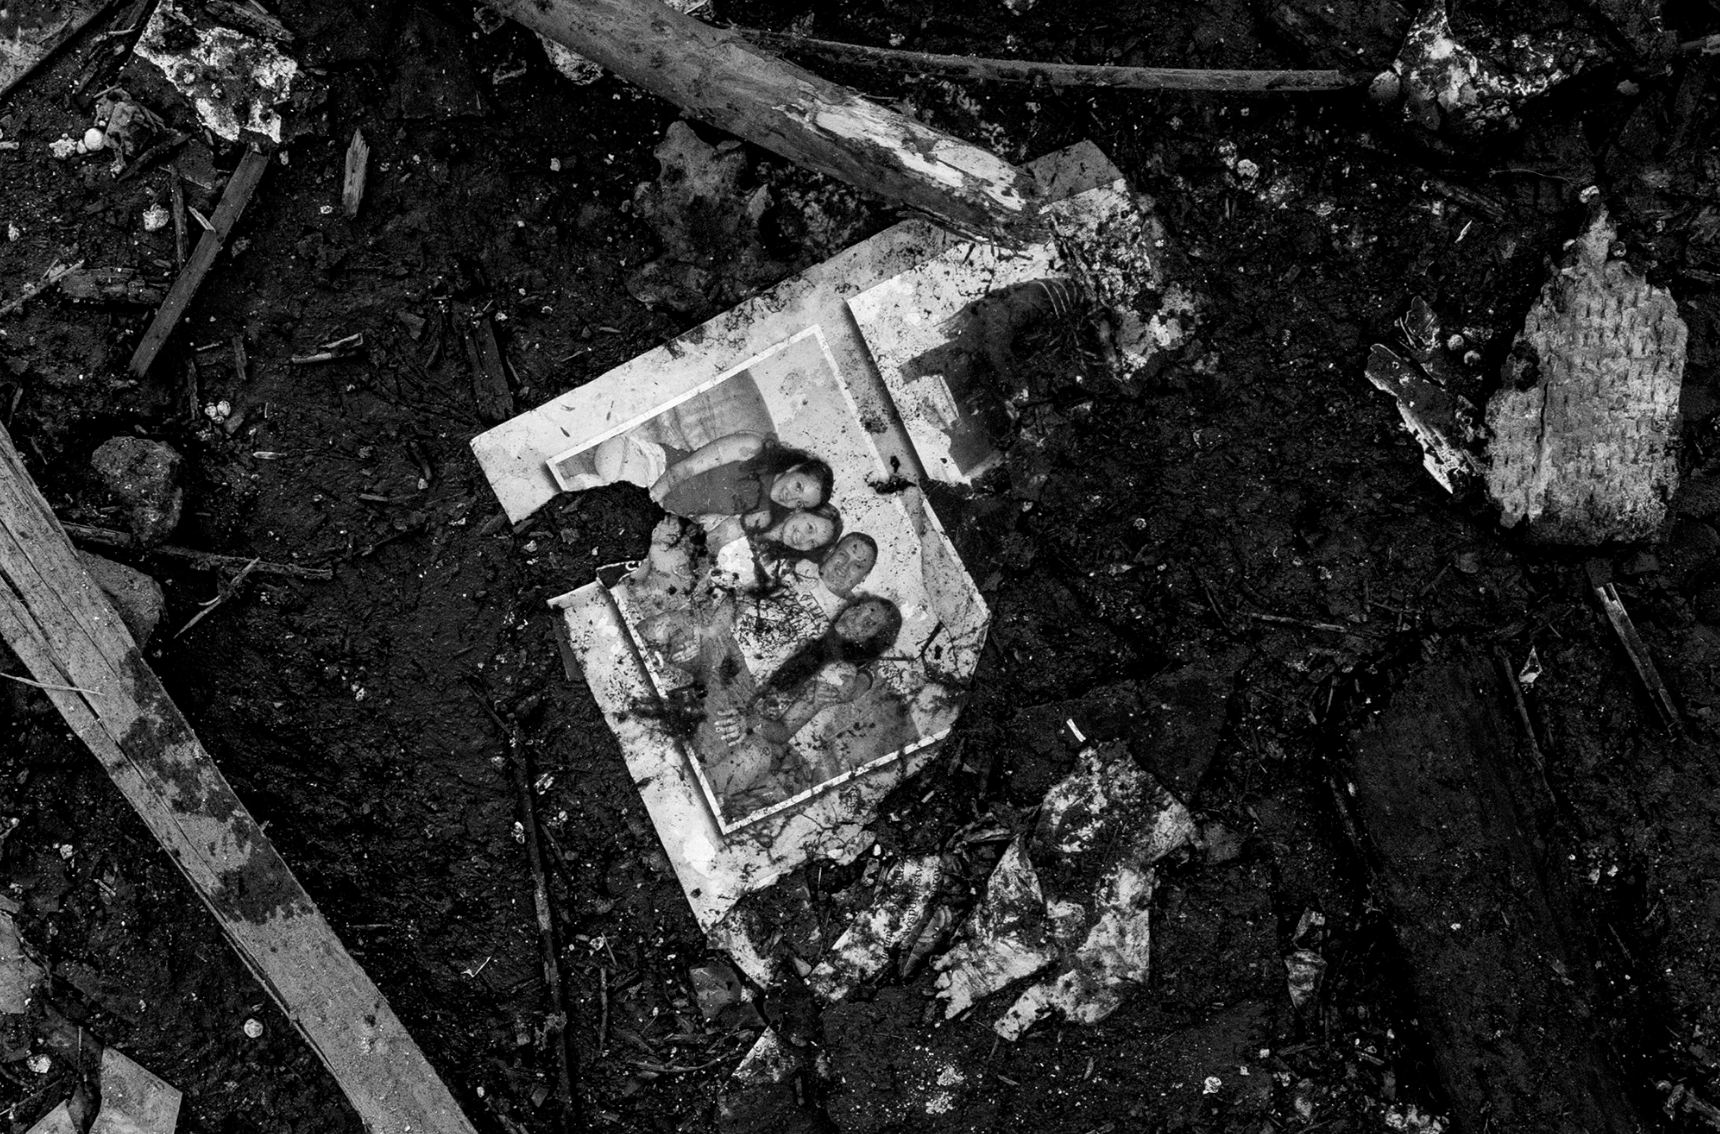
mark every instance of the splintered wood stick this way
{"type": "Point", "coordinates": [176, 195]}
{"type": "Point", "coordinates": [209, 560]}
{"type": "Point", "coordinates": [237, 195]}
{"type": "Point", "coordinates": [357, 165]}
{"type": "Point", "coordinates": [1061, 74]}
{"type": "Point", "coordinates": [49, 278]}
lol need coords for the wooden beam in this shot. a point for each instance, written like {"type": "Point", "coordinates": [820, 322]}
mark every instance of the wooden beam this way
{"type": "Point", "coordinates": [75, 646]}
{"type": "Point", "coordinates": [1501, 958]}
{"type": "Point", "coordinates": [234, 198]}
{"type": "Point", "coordinates": [719, 78]}
{"type": "Point", "coordinates": [1213, 80]}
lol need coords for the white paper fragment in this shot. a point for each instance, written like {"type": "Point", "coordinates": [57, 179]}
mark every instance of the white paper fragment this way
{"type": "Point", "coordinates": [234, 80]}
{"type": "Point", "coordinates": [900, 908]}
{"type": "Point", "coordinates": [1106, 807]}
{"type": "Point", "coordinates": [1117, 953]}
{"type": "Point", "coordinates": [1007, 938]}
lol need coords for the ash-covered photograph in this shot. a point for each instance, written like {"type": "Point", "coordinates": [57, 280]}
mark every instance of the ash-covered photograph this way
{"type": "Point", "coordinates": [789, 612]}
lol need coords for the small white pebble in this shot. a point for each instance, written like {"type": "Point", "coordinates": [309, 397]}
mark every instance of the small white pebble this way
{"type": "Point", "coordinates": [555, 165]}
{"type": "Point", "coordinates": [155, 218]}
{"type": "Point", "coordinates": [94, 139]}
{"type": "Point", "coordinates": [39, 1063]}
{"type": "Point", "coordinates": [326, 210]}
{"type": "Point", "coordinates": [254, 1028]}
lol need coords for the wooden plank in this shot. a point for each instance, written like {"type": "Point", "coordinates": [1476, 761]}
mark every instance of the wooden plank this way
{"type": "Point", "coordinates": [237, 195]}
{"type": "Point", "coordinates": [1501, 964]}
{"type": "Point", "coordinates": [68, 636]}
{"type": "Point", "coordinates": [716, 76]}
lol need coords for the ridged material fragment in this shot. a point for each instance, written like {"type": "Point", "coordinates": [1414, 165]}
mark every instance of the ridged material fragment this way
{"type": "Point", "coordinates": [1584, 439]}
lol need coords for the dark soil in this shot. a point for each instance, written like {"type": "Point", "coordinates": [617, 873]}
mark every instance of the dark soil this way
{"type": "Point", "coordinates": [1126, 552]}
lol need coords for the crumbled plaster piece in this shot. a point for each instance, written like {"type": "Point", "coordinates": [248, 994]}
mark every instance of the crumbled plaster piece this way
{"type": "Point", "coordinates": [234, 81]}
{"type": "Point", "coordinates": [1585, 429]}
{"type": "Point", "coordinates": [1453, 88]}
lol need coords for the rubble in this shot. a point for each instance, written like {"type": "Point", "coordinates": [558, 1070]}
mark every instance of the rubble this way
{"type": "Point", "coordinates": [144, 475]}
{"type": "Point", "coordinates": [1584, 431]}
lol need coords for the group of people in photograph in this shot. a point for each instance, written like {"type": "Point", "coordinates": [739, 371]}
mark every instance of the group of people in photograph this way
{"type": "Point", "coordinates": [752, 562]}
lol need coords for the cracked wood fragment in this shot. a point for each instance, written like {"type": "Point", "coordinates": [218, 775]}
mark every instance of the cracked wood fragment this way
{"type": "Point", "coordinates": [1584, 432]}
{"type": "Point", "coordinates": [357, 167]}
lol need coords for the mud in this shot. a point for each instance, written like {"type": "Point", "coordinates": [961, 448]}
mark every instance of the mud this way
{"type": "Point", "coordinates": [1125, 550]}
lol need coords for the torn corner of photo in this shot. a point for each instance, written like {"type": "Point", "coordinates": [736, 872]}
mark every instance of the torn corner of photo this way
{"type": "Point", "coordinates": [769, 683]}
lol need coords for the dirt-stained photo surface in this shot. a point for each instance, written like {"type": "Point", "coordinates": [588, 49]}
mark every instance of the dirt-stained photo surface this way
{"type": "Point", "coordinates": [888, 566]}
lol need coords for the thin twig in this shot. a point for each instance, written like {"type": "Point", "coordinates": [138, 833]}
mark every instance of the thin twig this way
{"type": "Point", "coordinates": [209, 560]}
{"type": "Point", "coordinates": [31, 291]}
{"type": "Point", "coordinates": [1287, 620]}
{"type": "Point", "coordinates": [1061, 74]}
{"type": "Point", "coordinates": [53, 688]}
{"type": "Point", "coordinates": [520, 766]}
{"type": "Point", "coordinates": [222, 594]}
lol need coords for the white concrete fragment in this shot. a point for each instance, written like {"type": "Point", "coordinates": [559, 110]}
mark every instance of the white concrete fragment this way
{"type": "Point", "coordinates": [134, 1100]}
{"type": "Point", "coordinates": [19, 974]}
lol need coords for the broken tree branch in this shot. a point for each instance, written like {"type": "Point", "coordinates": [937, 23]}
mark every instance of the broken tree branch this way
{"type": "Point", "coordinates": [716, 76]}
{"type": "Point", "coordinates": [233, 201]}
{"type": "Point", "coordinates": [1060, 74]}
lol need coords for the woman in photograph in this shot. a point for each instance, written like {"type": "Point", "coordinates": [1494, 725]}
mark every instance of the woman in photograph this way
{"type": "Point", "coordinates": [678, 589]}
{"type": "Point", "coordinates": [749, 476]}
{"type": "Point", "coordinates": [830, 687]}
